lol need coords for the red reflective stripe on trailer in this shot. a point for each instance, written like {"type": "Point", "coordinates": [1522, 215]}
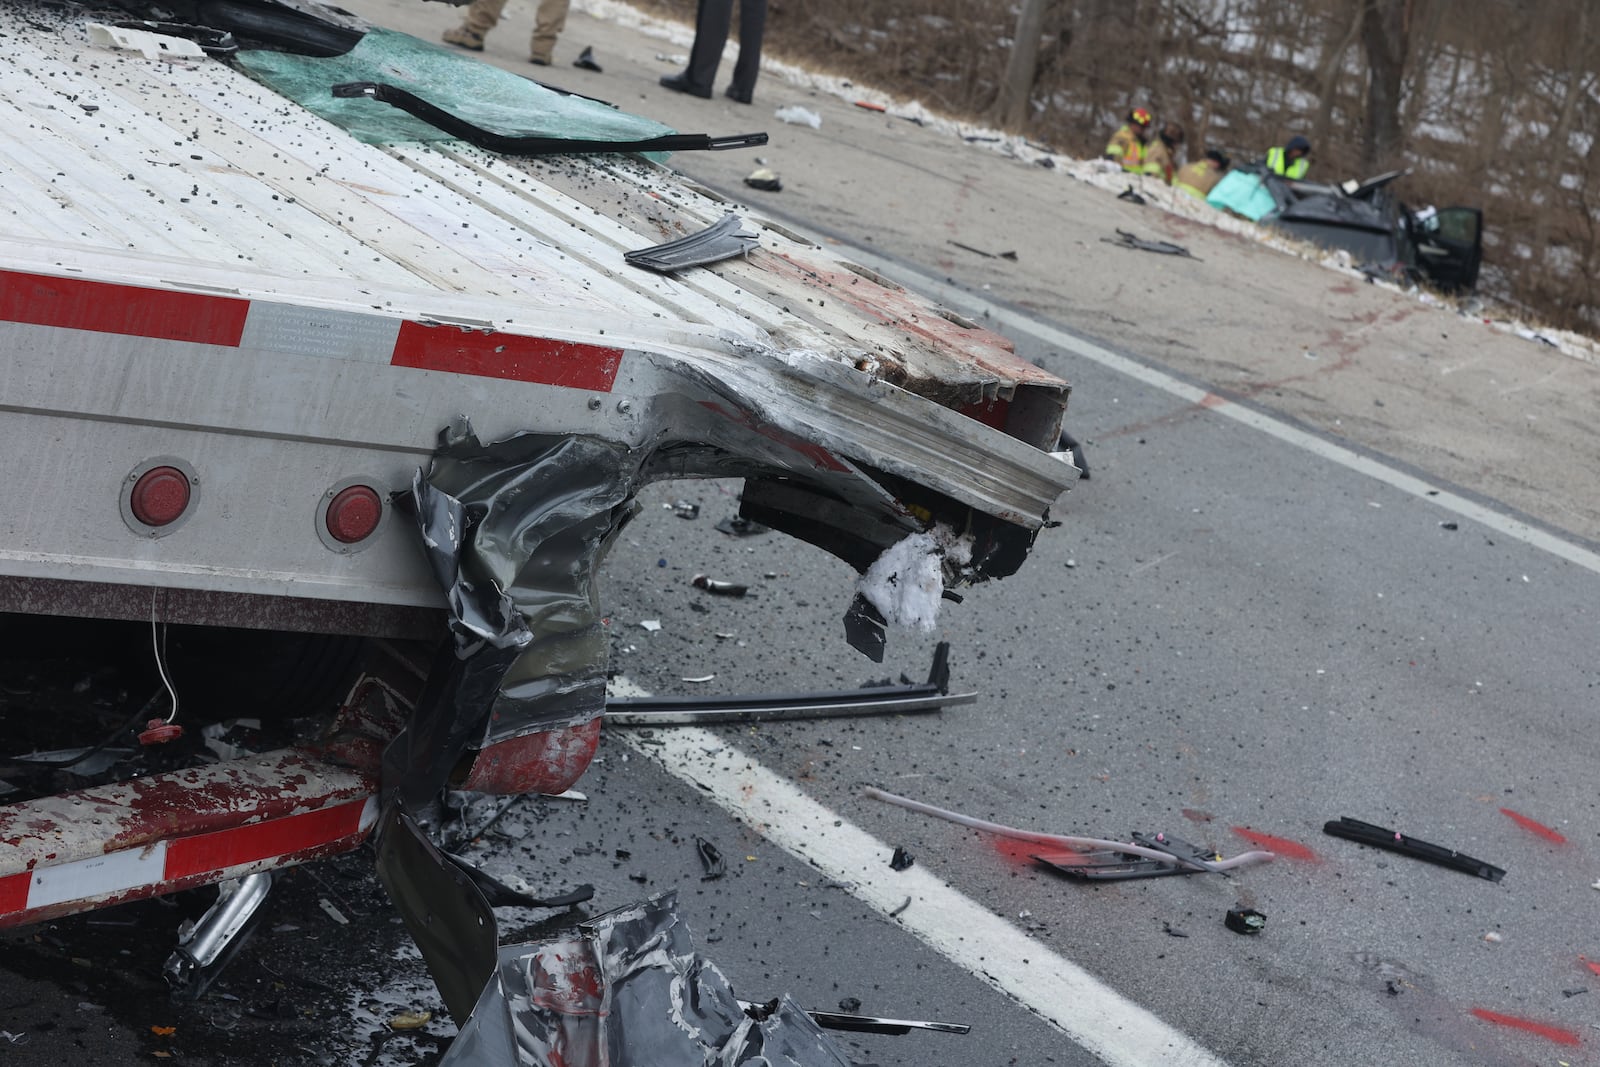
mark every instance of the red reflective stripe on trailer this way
{"type": "Point", "coordinates": [489, 354]}
{"type": "Point", "coordinates": [104, 307]}
{"type": "Point", "coordinates": [14, 892]}
{"type": "Point", "coordinates": [204, 853]}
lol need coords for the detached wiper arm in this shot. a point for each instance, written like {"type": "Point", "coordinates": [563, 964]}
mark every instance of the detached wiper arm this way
{"type": "Point", "coordinates": [506, 144]}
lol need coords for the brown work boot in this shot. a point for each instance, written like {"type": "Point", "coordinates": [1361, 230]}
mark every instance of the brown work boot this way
{"type": "Point", "coordinates": [462, 37]}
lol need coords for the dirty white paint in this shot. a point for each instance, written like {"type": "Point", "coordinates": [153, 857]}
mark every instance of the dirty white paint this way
{"type": "Point", "coordinates": [1107, 1024]}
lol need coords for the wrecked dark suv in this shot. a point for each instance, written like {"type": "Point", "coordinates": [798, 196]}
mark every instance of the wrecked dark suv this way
{"type": "Point", "coordinates": [1438, 247]}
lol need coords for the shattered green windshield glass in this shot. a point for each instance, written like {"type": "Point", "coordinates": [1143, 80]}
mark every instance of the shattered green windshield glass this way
{"type": "Point", "coordinates": [475, 91]}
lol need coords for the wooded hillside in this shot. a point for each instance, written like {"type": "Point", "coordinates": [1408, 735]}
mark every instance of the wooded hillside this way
{"type": "Point", "coordinates": [1495, 104]}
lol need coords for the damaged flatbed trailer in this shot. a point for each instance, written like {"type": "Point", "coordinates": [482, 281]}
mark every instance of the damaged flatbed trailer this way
{"type": "Point", "coordinates": [363, 411]}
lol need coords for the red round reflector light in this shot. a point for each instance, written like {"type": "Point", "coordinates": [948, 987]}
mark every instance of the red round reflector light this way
{"type": "Point", "coordinates": [160, 496]}
{"type": "Point", "coordinates": [353, 514]}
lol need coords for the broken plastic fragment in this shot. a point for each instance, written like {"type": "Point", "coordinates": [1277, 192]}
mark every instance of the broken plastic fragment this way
{"type": "Point", "coordinates": [586, 60]}
{"type": "Point", "coordinates": [901, 860]}
{"type": "Point", "coordinates": [711, 585]}
{"type": "Point", "coordinates": [650, 624]}
{"type": "Point", "coordinates": [723, 239]}
{"type": "Point", "coordinates": [710, 859]}
{"type": "Point", "coordinates": [1378, 837]}
{"type": "Point", "coordinates": [1245, 921]}
{"type": "Point", "coordinates": [740, 527]}
{"type": "Point", "coordinates": [410, 1020]}
{"type": "Point", "coordinates": [764, 179]}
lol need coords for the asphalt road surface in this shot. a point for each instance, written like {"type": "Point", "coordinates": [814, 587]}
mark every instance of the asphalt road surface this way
{"type": "Point", "coordinates": [1242, 628]}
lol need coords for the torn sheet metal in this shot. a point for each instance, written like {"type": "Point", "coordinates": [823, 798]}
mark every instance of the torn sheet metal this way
{"type": "Point", "coordinates": [723, 239]}
{"type": "Point", "coordinates": [514, 533]}
{"type": "Point", "coordinates": [628, 988]}
{"type": "Point", "coordinates": [1125, 239]}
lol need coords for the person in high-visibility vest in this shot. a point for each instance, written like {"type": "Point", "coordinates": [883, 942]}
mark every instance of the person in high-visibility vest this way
{"type": "Point", "coordinates": [1127, 146]}
{"type": "Point", "coordinates": [1161, 157]}
{"type": "Point", "coordinates": [1200, 177]}
{"type": "Point", "coordinates": [1291, 160]}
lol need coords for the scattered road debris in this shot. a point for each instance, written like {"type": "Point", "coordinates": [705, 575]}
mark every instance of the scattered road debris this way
{"type": "Point", "coordinates": [333, 913]}
{"type": "Point", "coordinates": [870, 106]}
{"type": "Point", "coordinates": [686, 509]}
{"type": "Point", "coordinates": [867, 1024]}
{"type": "Point", "coordinates": [700, 678]}
{"type": "Point", "coordinates": [1172, 931]}
{"type": "Point", "coordinates": [1124, 239]}
{"type": "Point", "coordinates": [930, 695]}
{"type": "Point", "coordinates": [899, 908]}
{"type": "Point", "coordinates": [1494, 937]}
{"type": "Point", "coordinates": [901, 860]}
{"type": "Point", "coordinates": [1131, 197]}
{"type": "Point", "coordinates": [723, 239]}
{"type": "Point", "coordinates": [850, 1005]}
{"type": "Point", "coordinates": [586, 60]}
{"type": "Point", "coordinates": [740, 527]}
{"type": "Point", "coordinates": [764, 178]}
{"type": "Point", "coordinates": [1366, 833]}
{"type": "Point", "coordinates": [410, 1020]}
{"type": "Point", "coordinates": [651, 625]}
{"type": "Point", "coordinates": [1450, 526]}
{"type": "Point", "coordinates": [711, 585]}
{"type": "Point", "coordinates": [710, 859]}
{"type": "Point", "coordinates": [1244, 921]}
{"type": "Point", "coordinates": [1092, 850]}
{"type": "Point", "coordinates": [986, 255]}
{"type": "Point", "coordinates": [1123, 867]}
{"type": "Point", "coordinates": [796, 115]}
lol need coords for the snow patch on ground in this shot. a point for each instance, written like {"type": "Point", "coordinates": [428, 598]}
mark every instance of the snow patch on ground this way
{"type": "Point", "coordinates": [1098, 172]}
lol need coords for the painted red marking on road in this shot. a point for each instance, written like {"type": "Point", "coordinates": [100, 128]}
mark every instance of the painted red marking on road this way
{"type": "Point", "coordinates": [103, 307]}
{"type": "Point", "coordinates": [1544, 1030]}
{"type": "Point", "coordinates": [1021, 853]}
{"type": "Point", "coordinates": [1553, 836]}
{"type": "Point", "coordinates": [1212, 400]}
{"type": "Point", "coordinates": [14, 892]}
{"type": "Point", "coordinates": [1594, 967]}
{"type": "Point", "coordinates": [489, 354]}
{"type": "Point", "coordinates": [1282, 846]}
{"type": "Point", "coordinates": [204, 853]}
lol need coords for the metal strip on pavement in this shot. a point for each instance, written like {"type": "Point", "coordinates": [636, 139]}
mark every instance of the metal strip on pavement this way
{"type": "Point", "coordinates": [1107, 1024]}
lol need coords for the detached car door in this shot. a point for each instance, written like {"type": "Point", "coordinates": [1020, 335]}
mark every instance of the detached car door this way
{"type": "Point", "coordinates": [1450, 248]}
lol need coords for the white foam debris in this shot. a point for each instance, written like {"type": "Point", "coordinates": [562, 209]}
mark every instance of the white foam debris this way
{"type": "Point", "coordinates": [906, 583]}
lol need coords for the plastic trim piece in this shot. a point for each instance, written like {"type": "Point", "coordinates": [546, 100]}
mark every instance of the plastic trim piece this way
{"type": "Point", "coordinates": [723, 239]}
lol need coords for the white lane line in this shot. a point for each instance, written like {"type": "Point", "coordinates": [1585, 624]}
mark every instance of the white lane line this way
{"type": "Point", "coordinates": [1110, 1026]}
{"type": "Point", "coordinates": [977, 307]}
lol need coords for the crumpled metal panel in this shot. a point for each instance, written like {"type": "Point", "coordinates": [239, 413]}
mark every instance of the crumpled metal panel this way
{"type": "Point", "coordinates": [514, 532]}
{"type": "Point", "coordinates": [625, 989]}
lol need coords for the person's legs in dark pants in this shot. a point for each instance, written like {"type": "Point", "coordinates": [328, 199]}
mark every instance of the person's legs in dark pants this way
{"type": "Point", "coordinates": [752, 24]}
{"type": "Point", "coordinates": [710, 34]}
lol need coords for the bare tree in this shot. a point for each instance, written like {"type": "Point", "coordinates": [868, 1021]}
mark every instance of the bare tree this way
{"type": "Point", "coordinates": [1015, 101]}
{"type": "Point", "coordinates": [1386, 38]}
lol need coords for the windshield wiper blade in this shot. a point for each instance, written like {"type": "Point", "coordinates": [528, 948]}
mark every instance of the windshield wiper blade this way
{"type": "Point", "coordinates": [507, 144]}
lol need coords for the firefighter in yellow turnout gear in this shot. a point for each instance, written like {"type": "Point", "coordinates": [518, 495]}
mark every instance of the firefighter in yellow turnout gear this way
{"type": "Point", "coordinates": [1127, 146]}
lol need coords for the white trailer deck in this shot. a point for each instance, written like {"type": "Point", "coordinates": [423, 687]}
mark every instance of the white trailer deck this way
{"type": "Point", "coordinates": [197, 274]}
